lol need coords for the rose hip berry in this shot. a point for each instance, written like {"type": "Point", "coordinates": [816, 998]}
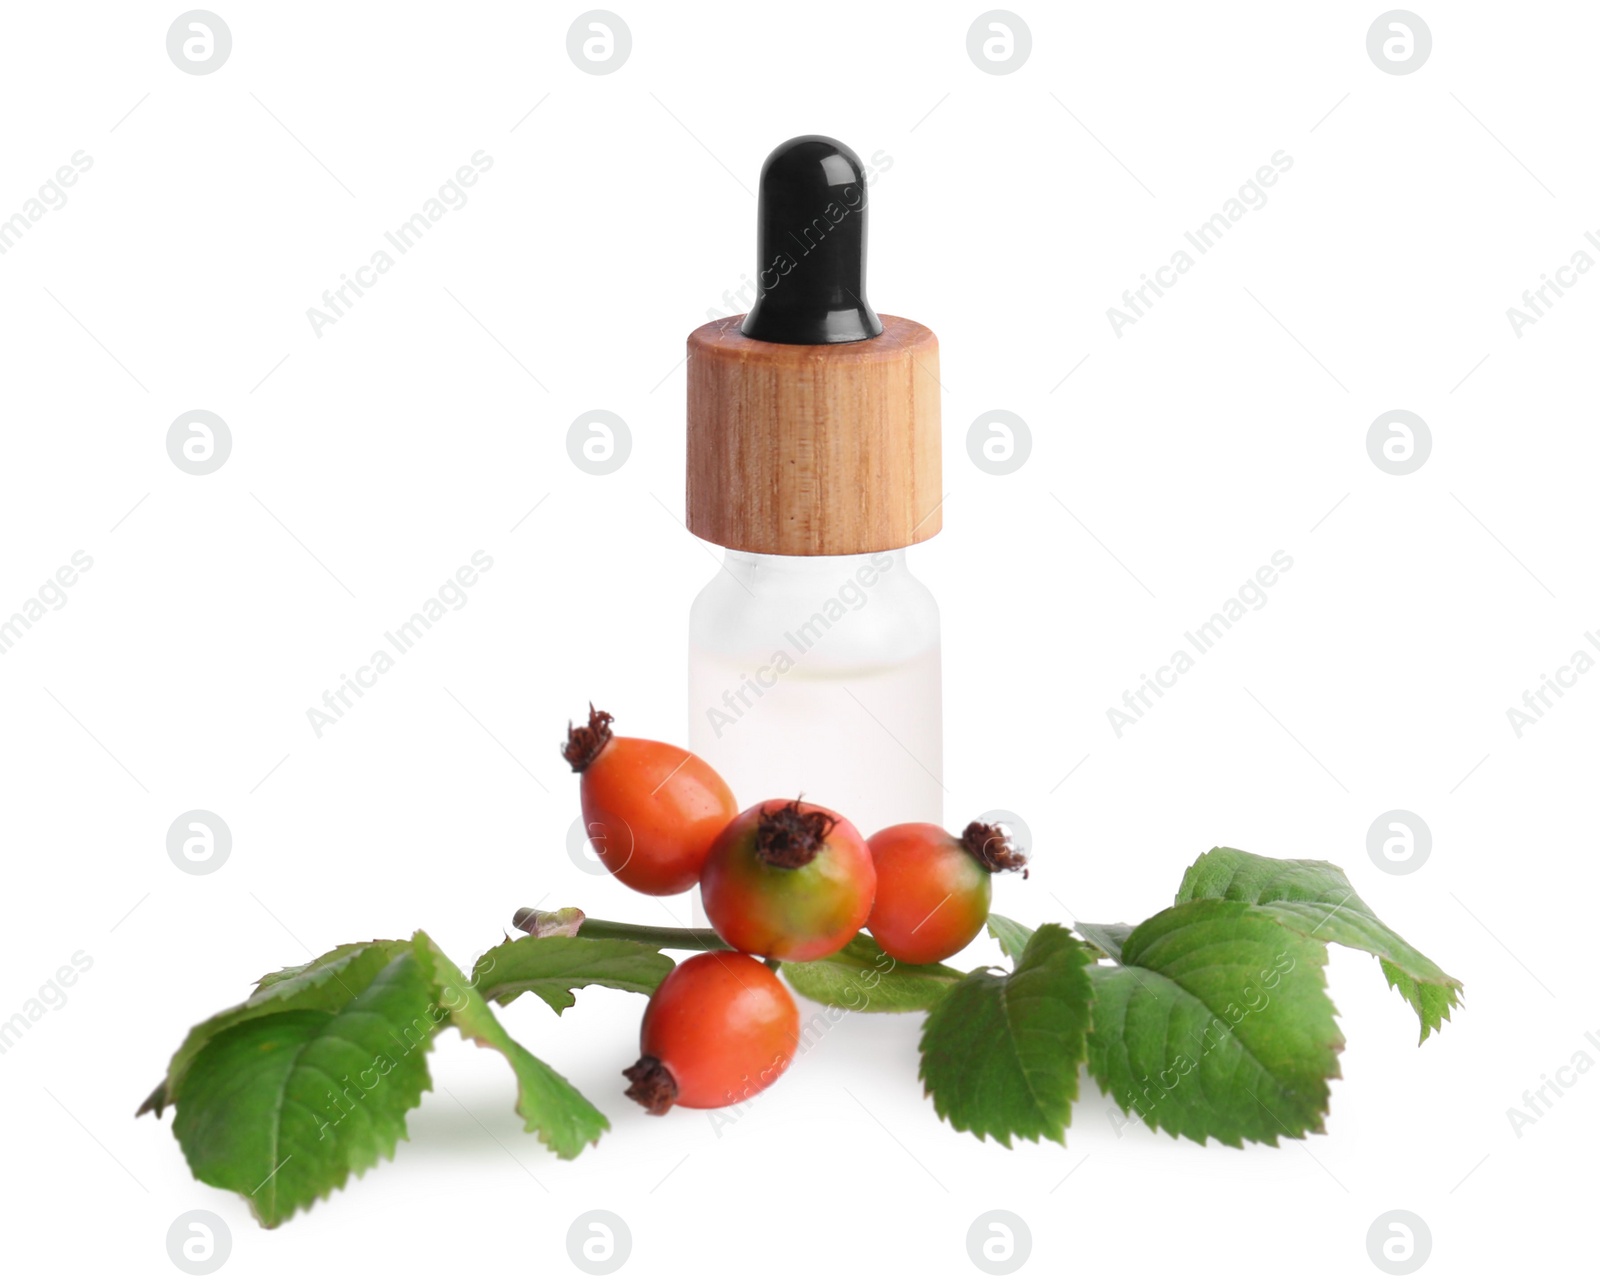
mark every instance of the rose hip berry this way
{"type": "Point", "coordinates": [720, 1028]}
{"type": "Point", "coordinates": [651, 809]}
{"type": "Point", "coordinates": [788, 880]}
{"type": "Point", "coordinates": [933, 888]}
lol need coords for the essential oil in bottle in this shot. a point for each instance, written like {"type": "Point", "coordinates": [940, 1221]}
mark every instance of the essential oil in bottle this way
{"type": "Point", "coordinates": [814, 461]}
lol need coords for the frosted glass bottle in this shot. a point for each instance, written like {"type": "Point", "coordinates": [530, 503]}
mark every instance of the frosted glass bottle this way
{"type": "Point", "coordinates": [813, 453]}
{"type": "Point", "coordinates": [820, 675]}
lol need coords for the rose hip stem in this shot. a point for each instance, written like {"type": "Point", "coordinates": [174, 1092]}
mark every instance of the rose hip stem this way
{"type": "Point", "coordinates": [556, 925]}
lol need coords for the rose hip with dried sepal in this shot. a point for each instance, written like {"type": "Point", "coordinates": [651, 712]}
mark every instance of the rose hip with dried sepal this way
{"type": "Point", "coordinates": [788, 880]}
{"type": "Point", "coordinates": [651, 809]}
{"type": "Point", "coordinates": [720, 1028]}
{"type": "Point", "coordinates": [933, 888]}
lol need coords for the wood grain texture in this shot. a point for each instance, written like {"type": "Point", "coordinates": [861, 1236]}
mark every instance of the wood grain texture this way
{"type": "Point", "coordinates": [814, 448]}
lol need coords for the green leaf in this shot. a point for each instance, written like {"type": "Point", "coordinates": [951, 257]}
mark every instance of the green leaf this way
{"type": "Point", "coordinates": [1000, 1052]}
{"type": "Point", "coordinates": [1108, 939]}
{"type": "Point", "coordinates": [1012, 936]}
{"type": "Point", "coordinates": [551, 968]}
{"type": "Point", "coordinates": [284, 1097]}
{"type": "Point", "coordinates": [327, 983]}
{"type": "Point", "coordinates": [284, 1105]}
{"type": "Point", "coordinates": [862, 977]}
{"type": "Point", "coordinates": [1217, 1024]}
{"type": "Point", "coordinates": [1315, 898]}
{"type": "Point", "coordinates": [564, 1120]}
{"type": "Point", "coordinates": [318, 979]}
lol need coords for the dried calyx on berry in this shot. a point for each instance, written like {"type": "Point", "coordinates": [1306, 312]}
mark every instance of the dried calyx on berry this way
{"type": "Point", "coordinates": [583, 744]}
{"type": "Point", "coordinates": [790, 837]}
{"type": "Point", "coordinates": [650, 1085]}
{"type": "Point", "coordinates": [991, 846]}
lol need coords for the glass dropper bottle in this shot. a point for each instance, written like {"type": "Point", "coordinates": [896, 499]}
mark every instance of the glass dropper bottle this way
{"type": "Point", "coordinates": [814, 461]}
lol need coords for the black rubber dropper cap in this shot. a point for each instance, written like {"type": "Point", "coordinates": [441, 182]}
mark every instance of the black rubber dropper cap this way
{"type": "Point", "coordinates": [811, 247]}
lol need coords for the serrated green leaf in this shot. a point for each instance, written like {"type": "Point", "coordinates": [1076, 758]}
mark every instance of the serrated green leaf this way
{"type": "Point", "coordinates": [327, 983]}
{"type": "Point", "coordinates": [862, 977]}
{"type": "Point", "coordinates": [563, 1119]}
{"type": "Point", "coordinates": [283, 1098]}
{"type": "Point", "coordinates": [1011, 935]}
{"type": "Point", "coordinates": [1000, 1052]}
{"type": "Point", "coordinates": [320, 978]}
{"type": "Point", "coordinates": [1107, 939]}
{"type": "Point", "coordinates": [551, 968]}
{"type": "Point", "coordinates": [283, 1106]}
{"type": "Point", "coordinates": [1217, 1024]}
{"type": "Point", "coordinates": [1316, 898]}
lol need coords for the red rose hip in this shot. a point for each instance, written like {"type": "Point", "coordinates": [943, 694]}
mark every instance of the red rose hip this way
{"type": "Point", "coordinates": [651, 809]}
{"type": "Point", "coordinates": [720, 1028]}
{"type": "Point", "coordinates": [933, 888]}
{"type": "Point", "coordinates": [788, 880]}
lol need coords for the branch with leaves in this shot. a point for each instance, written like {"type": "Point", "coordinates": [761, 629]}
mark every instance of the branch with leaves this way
{"type": "Point", "coordinates": [1209, 1020]}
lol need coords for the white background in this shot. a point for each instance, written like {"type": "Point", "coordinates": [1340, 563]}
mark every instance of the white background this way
{"type": "Point", "coordinates": [367, 464]}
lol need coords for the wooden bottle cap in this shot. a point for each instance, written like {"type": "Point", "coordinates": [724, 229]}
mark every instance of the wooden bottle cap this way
{"type": "Point", "coordinates": [814, 448]}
